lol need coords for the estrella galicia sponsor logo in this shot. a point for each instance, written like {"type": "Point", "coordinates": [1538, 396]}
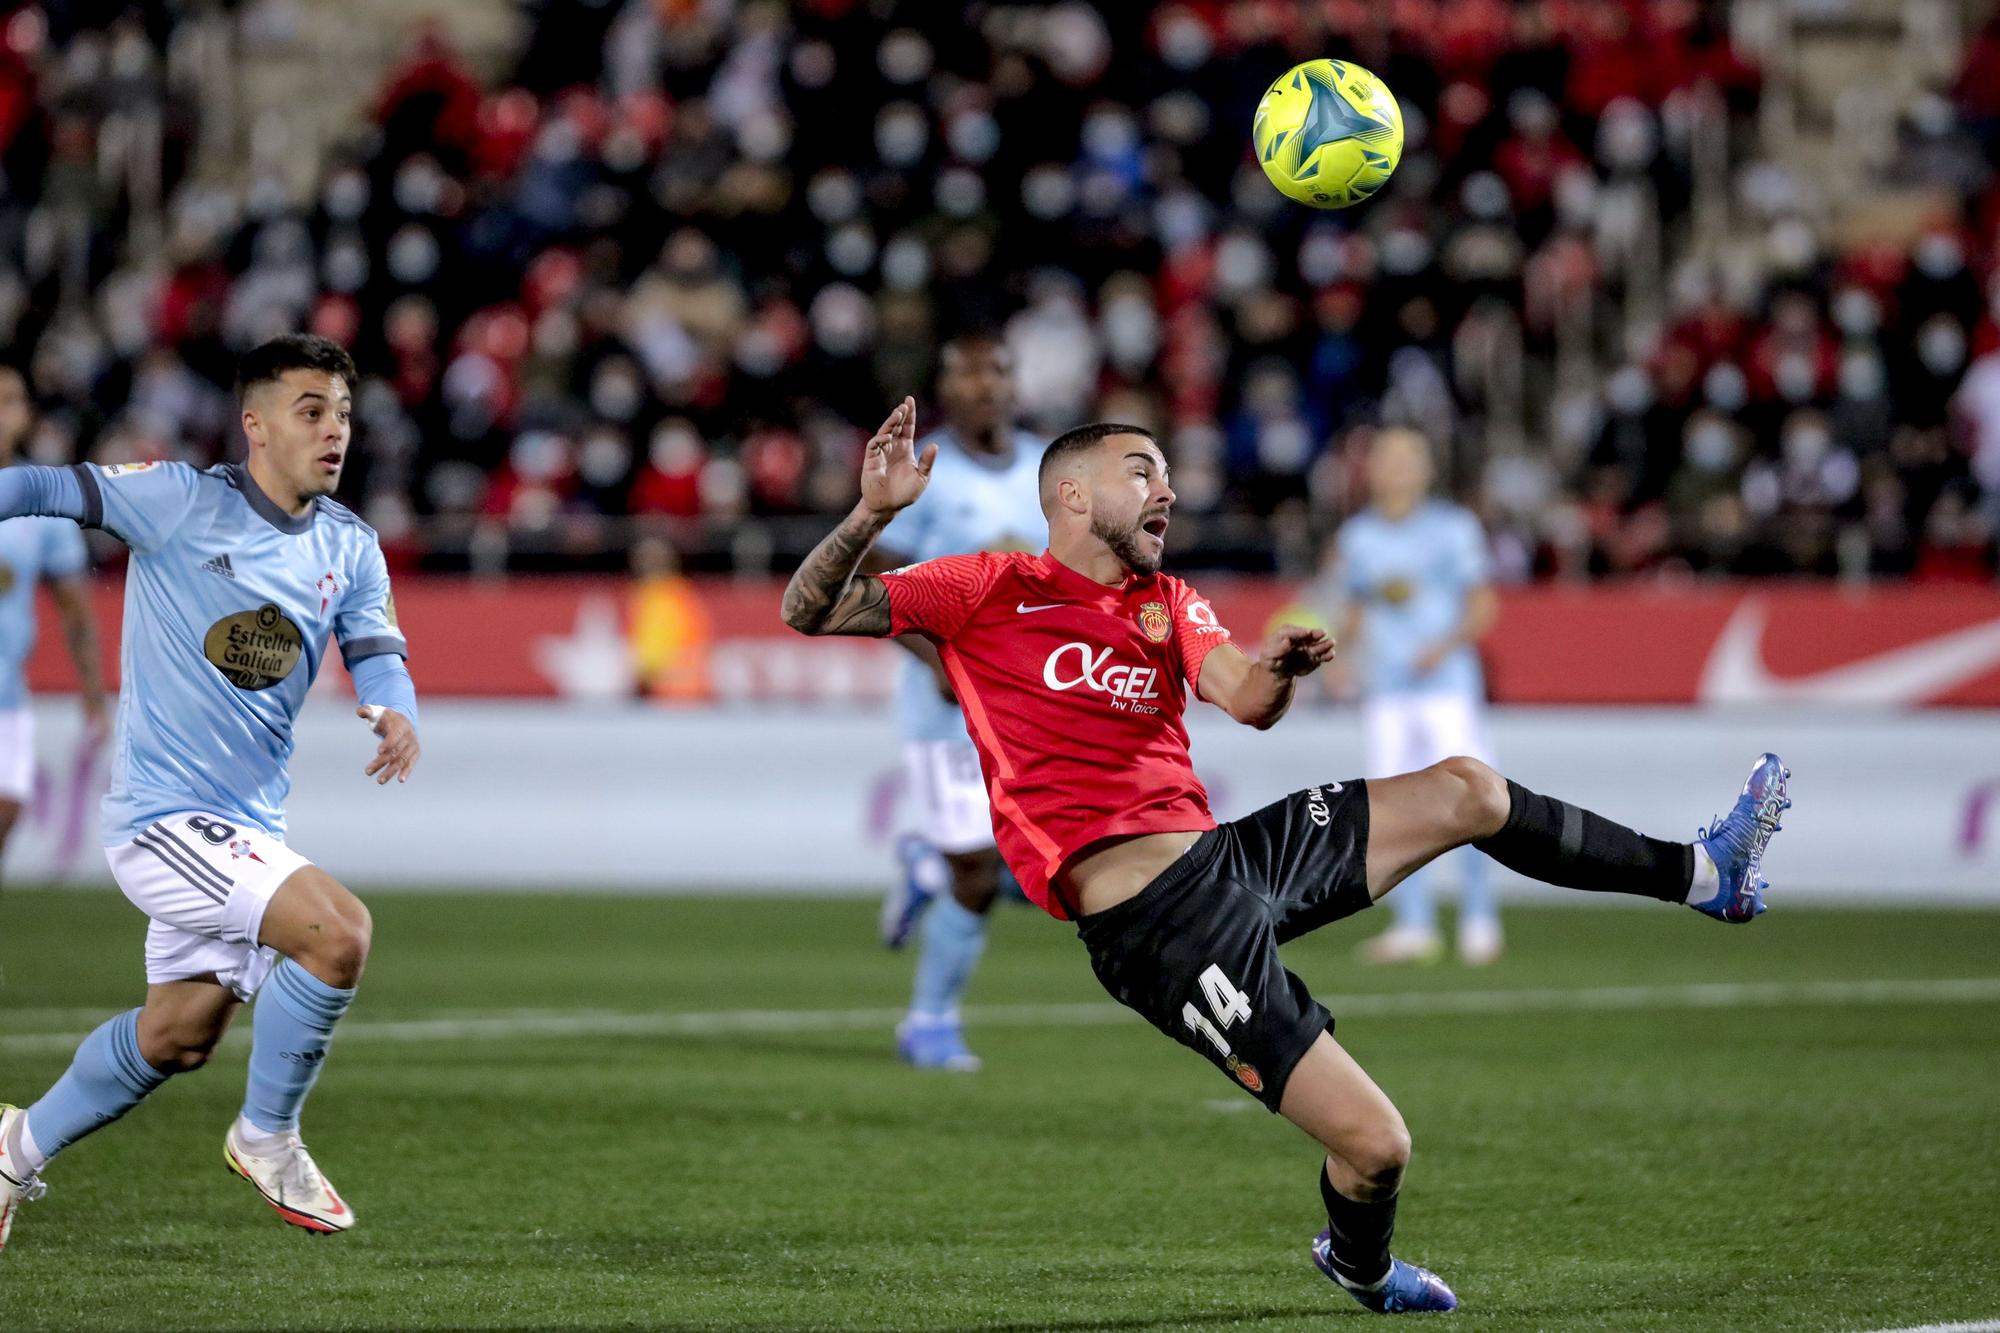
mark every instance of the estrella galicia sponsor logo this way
{"type": "Point", "coordinates": [1078, 664]}
{"type": "Point", "coordinates": [219, 564]}
{"type": "Point", "coordinates": [254, 650]}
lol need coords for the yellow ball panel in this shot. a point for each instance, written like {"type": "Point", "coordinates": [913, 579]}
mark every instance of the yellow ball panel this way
{"type": "Point", "coordinates": [1328, 133]}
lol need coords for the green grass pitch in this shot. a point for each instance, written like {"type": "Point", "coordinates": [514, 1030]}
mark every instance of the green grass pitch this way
{"type": "Point", "coordinates": [533, 1138]}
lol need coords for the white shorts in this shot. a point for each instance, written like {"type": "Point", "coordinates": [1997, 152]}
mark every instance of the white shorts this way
{"type": "Point", "coordinates": [17, 755]}
{"type": "Point", "coordinates": [1414, 730]}
{"type": "Point", "coordinates": [205, 882]}
{"type": "Point", "coordinates": [950, 793]}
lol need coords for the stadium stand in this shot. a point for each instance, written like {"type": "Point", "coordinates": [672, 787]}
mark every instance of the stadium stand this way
{"type": "Point", "coordinates": [663, 262]}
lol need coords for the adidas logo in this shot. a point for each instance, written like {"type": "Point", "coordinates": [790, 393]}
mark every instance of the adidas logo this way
{"type": "Point", "coordinates": [220, 565]}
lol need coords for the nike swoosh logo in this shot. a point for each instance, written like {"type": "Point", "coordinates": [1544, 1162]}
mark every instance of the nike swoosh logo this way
{"type": "Point", "coordinates": [1735, 670]}
{"type": "Point", "coordinates": [1023, 608]}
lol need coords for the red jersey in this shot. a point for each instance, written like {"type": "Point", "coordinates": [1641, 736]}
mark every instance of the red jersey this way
{"type": "Point", "coordinates": [1074, 694]}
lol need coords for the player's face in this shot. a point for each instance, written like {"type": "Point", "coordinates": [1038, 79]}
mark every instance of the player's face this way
{"type": "Point", "coordinates": [16, 413]}
{"type": "Point", "coordinates": [304, 420]}
{"type": "Point", "coordinates": [1130, 500]}
{"type": "Point", "coordinates": [976, 387]}
{"type": "Point", "coordinates": [1399, 468]}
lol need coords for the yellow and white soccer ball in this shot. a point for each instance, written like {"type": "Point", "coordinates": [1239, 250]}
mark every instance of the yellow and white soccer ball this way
{"type": "Point", "coordinates": [1328, 133]}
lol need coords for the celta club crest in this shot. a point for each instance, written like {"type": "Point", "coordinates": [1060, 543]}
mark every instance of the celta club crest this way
{"type": "Point", "coordinates": [329, 588]}
{"type": "Point", "coordinates": [1153, 619]}
{"type": "Point", "coordinates": [242, 848]}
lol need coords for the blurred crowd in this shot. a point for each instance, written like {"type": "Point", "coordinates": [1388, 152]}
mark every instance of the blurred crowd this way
{"type": "Point", "coordinates": [677, 261]}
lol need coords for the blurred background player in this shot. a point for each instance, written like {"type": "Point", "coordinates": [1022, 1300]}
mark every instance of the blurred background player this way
{"type": "Point", "coordinates": [983, 496]}
{"type": "Point", "coordinates": [32, 550]}
{"type": "Point", "coordinates": [1412, 575]}
{"type": "Point", "coordinates": [240, 576]}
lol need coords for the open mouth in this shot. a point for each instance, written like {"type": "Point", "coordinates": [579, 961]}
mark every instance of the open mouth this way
{"type": "Point", "coordinates": [1156, 526]}
{"type": "Point", "coordinates": [331, 462]}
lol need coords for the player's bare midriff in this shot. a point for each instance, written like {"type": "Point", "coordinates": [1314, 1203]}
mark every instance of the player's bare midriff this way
{"type": "Point", "coordinates": [1106, 873]}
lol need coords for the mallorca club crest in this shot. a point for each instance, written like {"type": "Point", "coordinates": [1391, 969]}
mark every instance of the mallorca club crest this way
{"type": "Point", "coordinates": [1246, 1073]}
{"type": "Point", "coordinates": [1153, 619]}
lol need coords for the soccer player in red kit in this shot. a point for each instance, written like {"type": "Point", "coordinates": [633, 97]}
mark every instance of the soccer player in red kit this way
{"type": "Point", "coordinates": [1074, 668]}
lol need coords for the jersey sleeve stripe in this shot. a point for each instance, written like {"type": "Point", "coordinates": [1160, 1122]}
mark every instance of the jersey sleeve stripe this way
{"type": "Point", "coordinates": [374, 645]}
{"type": "Point", "coordinates": [975, 715]}
{"type": "Point", "coordinates": [93, 495]}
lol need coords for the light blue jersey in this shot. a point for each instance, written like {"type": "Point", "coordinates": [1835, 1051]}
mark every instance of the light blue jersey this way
{"type": "Point", "coordinates": [1411, 578]}
{"type": "Point", "coordinates": [229, 604]}
{"type": "Point", "coordinates": [31, 549]}
{"type": "Point", "coordinates": [973, 503]}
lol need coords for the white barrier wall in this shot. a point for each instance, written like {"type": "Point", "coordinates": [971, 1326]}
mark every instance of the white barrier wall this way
{"type": "Point", "coordinates": [1896, 807]}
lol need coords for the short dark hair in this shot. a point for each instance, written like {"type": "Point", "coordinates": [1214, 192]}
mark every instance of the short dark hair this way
{"type": "Point", "coordinates": [1075, 441]}
{"type": "Point", "coordinates": [266, 363]}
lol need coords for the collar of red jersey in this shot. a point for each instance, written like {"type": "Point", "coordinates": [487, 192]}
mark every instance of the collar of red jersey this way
{"type": "Point", "coordinates": [1082, 584]}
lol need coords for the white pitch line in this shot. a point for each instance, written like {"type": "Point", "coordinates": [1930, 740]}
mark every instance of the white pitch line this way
{"type": "Point", "coordinates": [461, 1025]}
{"type": "Point", "coordinates": [1980, 1326]}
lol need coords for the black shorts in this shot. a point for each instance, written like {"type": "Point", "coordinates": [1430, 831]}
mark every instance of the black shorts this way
{"type": "Point", "coordinates": [1196, 951]}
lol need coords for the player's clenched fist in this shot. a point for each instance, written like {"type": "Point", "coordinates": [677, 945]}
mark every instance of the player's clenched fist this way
{"type": "Point", "coordinates": [398, 752]}
{"type": "Point", "coordinates": [1292, 651]}
{"type": "Point", "coordinates": [893, 475]}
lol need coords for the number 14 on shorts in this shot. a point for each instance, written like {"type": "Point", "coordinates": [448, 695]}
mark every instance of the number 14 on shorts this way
{"type": "Point", "coordinates": [1228, 1004]}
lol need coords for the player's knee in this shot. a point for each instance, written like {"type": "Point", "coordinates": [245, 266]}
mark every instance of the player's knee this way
{"type": "Point", "coordinates": [975, 880]}
{"type": "Point", "coordinates": [177, 1047]}
{"type": "Point", "coordinates": [339, 948]}
{"type": "Point", "coordinates": [1480, 800]}
{"type": "Point", "coordinates": [1379, 1156]}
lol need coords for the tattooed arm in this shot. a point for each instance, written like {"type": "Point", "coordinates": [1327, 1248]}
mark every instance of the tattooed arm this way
{"type": "Point", "coordinates": [824, 596]}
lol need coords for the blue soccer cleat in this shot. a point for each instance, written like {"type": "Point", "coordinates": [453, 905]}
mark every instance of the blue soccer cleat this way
{"type": "Point", "coordinates": [934, 1044]}
{"type": "Point", "coordinates": [1409, 1289]}
{"type": "Point", "coordinates": [923, 877]}
{"type": "Point", "coordinates": [1736, 843]}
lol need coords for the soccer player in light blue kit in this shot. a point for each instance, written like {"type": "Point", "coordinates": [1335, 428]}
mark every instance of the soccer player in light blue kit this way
{"type": "Point", "coordinates": [1414, 579]}
{"type": "Point", "coordinates": [37, 550]}
{"type": "Point", "coordinates": [984, 495]}
{"type": "Point", "coordinates": [240, 574]}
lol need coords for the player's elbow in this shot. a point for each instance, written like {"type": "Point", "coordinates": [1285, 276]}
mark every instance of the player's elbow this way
{"type": "Point", "coordinates": [1263, 714]}
{"type": "Point", "coordinates": [802, 617]}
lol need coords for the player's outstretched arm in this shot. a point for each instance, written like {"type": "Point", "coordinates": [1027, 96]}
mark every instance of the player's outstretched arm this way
{"type": "Point", "coordinates": [824, 596]}
{"type": "Point", "coordinates": [29, 488]}
{"type": "Point", "coordinates": [1257, 691]}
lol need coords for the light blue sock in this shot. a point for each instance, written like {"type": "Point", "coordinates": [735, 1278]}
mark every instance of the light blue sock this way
{"type": "Point", "coordinates": [1412, 903]}
{"type": "Point", "coordinates": [954, 938]}
{"type": "Point", "coordinates": [107, 1078]}
{"type": "Point", "coordinates": [292, 1028]}
{"type": "Point", "coordinates": [1476, 899]}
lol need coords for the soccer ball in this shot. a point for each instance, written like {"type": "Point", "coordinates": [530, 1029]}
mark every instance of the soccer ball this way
{"type": "Point", "coordinates": [1328, 133]}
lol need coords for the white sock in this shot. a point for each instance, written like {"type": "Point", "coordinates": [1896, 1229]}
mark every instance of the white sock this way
{"type": "Point", "coordinates": [1706, 881]}
{"type": "Point", "coordinates": [24, 1150]}
{"type": "Point", "coordinates": [252, 1137]}
{"type": "Point", "coordinates": [1370, 1287]}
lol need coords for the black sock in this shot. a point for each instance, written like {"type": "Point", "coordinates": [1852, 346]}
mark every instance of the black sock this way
{"type": "Point", "coordinates": [1559, 843]}
{"type": "Point", "coordinates": [1361, 1231]}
